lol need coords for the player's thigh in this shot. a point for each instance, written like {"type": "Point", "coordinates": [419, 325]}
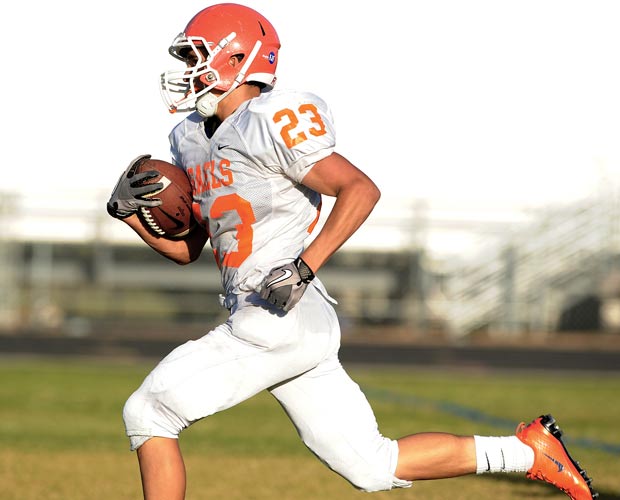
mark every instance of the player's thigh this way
{"type": "Point", "coordinates": [252, 351]}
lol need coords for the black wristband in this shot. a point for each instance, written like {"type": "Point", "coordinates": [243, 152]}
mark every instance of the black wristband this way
{"type": "Point", "coordinates": [305, 272]}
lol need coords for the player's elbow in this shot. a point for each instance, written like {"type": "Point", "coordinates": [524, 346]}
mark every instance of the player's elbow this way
{"type": "Point", "coordinates": [370, 193]}
{"type": "Point", "coordinates": [375, 194]}
{"type": "Point", "coordinates": [182, 261]}
{"type": "Point", "coordinates": [185, 258]}
{"type": "Point", "coordinates": [180, 257]}
{"type": "Point", "coordinates": [186, 250]}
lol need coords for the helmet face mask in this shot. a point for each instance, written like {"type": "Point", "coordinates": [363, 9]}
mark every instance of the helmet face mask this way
{"type": "Point", "coordinates": [214, 36]}
{"type": "Point", "coordinates": [183, 87]}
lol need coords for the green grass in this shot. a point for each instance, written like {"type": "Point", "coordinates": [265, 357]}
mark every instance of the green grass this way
{"type": "Point", "coordinates": [61, 433]}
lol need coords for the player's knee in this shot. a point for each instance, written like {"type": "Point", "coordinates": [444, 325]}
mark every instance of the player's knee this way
{"type": "Point", "coordinates": [136, 428]}
{"type": "Point", "coordinates": [144, 418]}
{"type": "Point", "coordinates": [369, 467]}
{"type": "Point", "coordinates": [366, 473]}
{"type": "Point", "coordinates": [130, 411]}
{"type": "Point", "coordinates": [371, 483]}
{"type": "Point", "coordinates": [363, 484]}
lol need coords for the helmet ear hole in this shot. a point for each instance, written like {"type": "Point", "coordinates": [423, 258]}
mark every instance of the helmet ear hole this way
{"type": "Point", "coordinates": [236, 59]}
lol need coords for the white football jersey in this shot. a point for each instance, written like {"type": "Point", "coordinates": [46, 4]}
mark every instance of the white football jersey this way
{"type": "Point", "coordinates": [247, 181]}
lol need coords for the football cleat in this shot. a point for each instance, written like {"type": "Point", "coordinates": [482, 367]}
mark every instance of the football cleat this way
{"type": "Point", "coordinates": [552, 462]}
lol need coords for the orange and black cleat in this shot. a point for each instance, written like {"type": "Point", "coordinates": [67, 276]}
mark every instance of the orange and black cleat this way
{"type": "Point", "coordinates": [552, 462]}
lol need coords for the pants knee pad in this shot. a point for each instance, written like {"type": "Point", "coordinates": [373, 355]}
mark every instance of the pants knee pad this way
{"type": "Point", "coordinates": [134, 419]}
{"type": "Point", "coordinates": [371, 484]}
{"type": "Point", "coordinates": [145, 418]}
{"type": "Point", "coordinates": [368, 469]}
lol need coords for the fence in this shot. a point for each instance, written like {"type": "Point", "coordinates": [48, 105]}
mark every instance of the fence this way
{"type": "Point", "coordinates": [84, 271]}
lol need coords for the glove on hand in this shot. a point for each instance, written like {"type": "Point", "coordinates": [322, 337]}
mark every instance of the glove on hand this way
{"type": "Point", "coordinates": [128, 195]}
{"type": "Point", "coordinates": [284, 285]}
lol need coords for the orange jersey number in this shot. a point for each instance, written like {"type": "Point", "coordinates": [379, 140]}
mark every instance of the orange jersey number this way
{"type": "Point", "coordinates": [245, 233]}
{"type": "Point", "coordinates": [292, 119]}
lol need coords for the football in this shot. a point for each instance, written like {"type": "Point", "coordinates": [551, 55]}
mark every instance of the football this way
{"type": "Point", "coordinates": [172, 219]}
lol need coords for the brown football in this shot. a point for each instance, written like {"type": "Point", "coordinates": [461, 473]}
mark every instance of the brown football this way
{"type": "Point", "coordinates": [173, 218]}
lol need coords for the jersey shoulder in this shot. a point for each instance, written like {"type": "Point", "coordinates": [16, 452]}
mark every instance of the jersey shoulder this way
{"type": "Point", "coordinates": [187, 139]}
{"type": "Point", "coordinates": [190, 125]}
{"type": "Point", "coordinates": [295, 129]}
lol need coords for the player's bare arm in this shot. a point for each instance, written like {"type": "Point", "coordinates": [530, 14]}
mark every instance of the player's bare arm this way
{"type": "Point", "coordinates": [182, 251]}
{"type": "Point", "coordinates": [356, 195]}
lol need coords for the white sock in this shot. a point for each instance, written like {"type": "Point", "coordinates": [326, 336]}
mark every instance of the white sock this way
{"type": "Point", "coordinates": [502, 454]}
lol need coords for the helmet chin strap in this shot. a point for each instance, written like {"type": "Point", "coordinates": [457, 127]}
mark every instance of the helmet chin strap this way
{"type": "Point", "coordinates": [207, 105]}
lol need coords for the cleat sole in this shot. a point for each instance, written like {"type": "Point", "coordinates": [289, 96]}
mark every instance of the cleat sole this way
{"type": "Point", "coordinates": [549, 423]}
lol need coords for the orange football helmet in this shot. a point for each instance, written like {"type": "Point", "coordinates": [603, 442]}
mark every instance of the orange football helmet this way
{"type": "Point", "coordinates": [211, 38]}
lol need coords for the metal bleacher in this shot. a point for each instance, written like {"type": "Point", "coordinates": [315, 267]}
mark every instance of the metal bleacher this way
{"type": "Point", "coordinates": [524, 283]}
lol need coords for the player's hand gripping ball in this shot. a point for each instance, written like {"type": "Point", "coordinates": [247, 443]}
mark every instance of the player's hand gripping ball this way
{"type": "Point", "coordinates": [172, 218]}
{"type": "Point", "coordinates": [158, 192]}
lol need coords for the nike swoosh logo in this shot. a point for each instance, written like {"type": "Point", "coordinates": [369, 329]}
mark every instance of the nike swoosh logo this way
{"type": "Point", "coordinates": [556, 462]}
{"type": "Point", "coordinates": [165, 181]}
{"type": "Point", "coordinates": [222, 146]}
{"type": "Point", "coordinates": [286, 274]}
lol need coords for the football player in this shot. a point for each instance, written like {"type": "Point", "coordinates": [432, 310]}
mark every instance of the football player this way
{"type": "Point", "coordinates": [259, 161]}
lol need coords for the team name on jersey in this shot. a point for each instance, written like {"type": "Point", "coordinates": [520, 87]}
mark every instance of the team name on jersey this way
{"type": "Point", "coordinates": [210, 175]}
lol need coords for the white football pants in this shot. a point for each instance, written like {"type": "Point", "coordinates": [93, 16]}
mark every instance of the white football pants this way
{"type": "Point", "coordinates": [295, 357]}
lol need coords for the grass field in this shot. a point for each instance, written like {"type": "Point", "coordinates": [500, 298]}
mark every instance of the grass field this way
{"type": "Point", "coordinates": [61, 433]}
